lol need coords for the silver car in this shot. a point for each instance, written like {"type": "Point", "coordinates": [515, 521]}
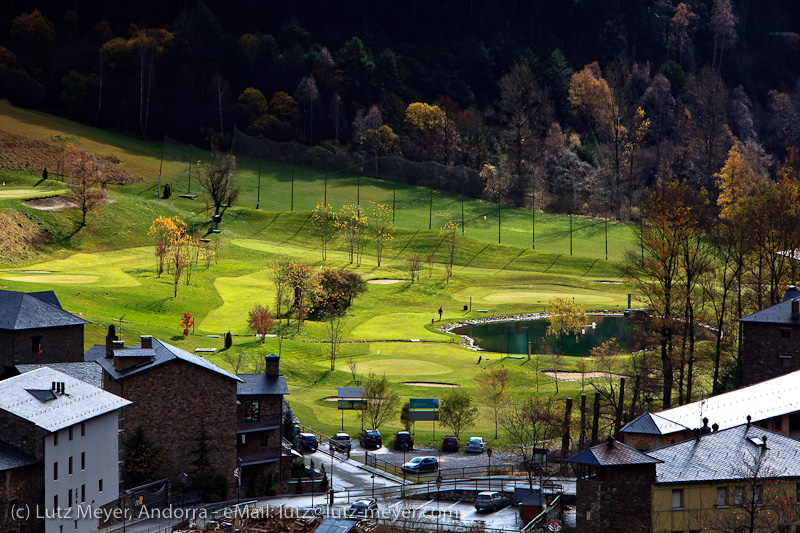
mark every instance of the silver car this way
{"type": "Point", "coordinates": [476, 445]}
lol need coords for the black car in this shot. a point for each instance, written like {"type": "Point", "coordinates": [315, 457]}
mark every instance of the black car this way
{"type": "Point", "coordinates": [370, 437]}
{"type": "Point", "coordinates": [308, 442]}
{"type": "Point", "coordinates": [450, 444]}
{"type": "Point", "coordinates": [403, 437]}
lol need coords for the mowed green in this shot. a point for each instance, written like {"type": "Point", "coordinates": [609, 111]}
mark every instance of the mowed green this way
{"type": "Point", "coordinates": [106, 272]}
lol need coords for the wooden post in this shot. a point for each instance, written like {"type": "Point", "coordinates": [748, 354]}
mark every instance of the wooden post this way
{"type": "Point", "coordinates": [596, 419]}
{"type": "Point", "coordinates": [565, 433]}
{"type": "Point", "coordinates": [620, 406]}
{"type": "Point", "coordinates": [582, 439]}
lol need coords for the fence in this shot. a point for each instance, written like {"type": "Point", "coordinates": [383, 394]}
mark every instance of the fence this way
{"type": "Point", "coordinates": [540, 523]}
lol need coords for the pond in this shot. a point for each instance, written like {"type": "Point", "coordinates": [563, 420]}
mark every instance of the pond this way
{"type": "Point", "coordinates": [512, 337]}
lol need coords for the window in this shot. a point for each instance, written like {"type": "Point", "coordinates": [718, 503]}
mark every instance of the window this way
{"type": "Point", "coordinates": [36, 345]}
{"type": "Point", "coordinates": [55, 438]}
{"type": "Point", "coordinates": [69, 467]}
{"type": "Point", "coordinates": [83, 429]}
{"type": "Point", "coordinates": [786, 361]}
{"type": "Point", "coordinates": [253, 411]}
{"type": "Point", "coordinates": [83, 493]}
{"type": "Point", "coordinates": [55, 471]}
{"type": "Point", "coordinates": [588, 515]}
{"type": "Point", "coordinates": [100, 486]}
{"type": "Point", "coordinates": [70, 432]}
{"type": "Point", "coordinates": [69, 498]}
{"type": "Point", "coordinates": [786, 332]}
{"type": "Point", "coordinates": [83, 460]}
{"type": "Point", "coordinates": [264, 439]}
{"type": "Point", "coordinates": [242, 440]}
{"type": "Point", "coordinates": [677, 499]}
{"type": "Point", "coordinates": [738, 495]}
{"type": "Point", "coordinates": [55, 501]}
{"type": "Point", "coordinates": [777, 424]}
{"type": "Point", "coordinates": [722, 496]}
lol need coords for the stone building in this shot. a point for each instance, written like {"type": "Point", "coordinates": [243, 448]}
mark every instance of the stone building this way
{"type": "Point", "coordinates": [770, 340]}
{"type": "Point", "coordinates": [61, 444]}
{"type": "Point", "coordinates": [613, 488]}
{"type": "Point", "coordinates": [35, 329]}
{"type": "Point", "coordinates": [258, 416]}
{"type": "Point", "coordinates": [177, 397]}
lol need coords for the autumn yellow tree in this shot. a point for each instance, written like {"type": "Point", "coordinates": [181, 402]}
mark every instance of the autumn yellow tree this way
{"type": "Point", "coordinates": [352, 222]}
{"type": "Point", "coordinates": [492, 386]}
{"type": "Point", "coordinates": [326, 225]}
{"type": "Point", "coordinates": [303, 281]}
{"type": "Point", "coordinates": [165, 230]}
{"type": "Point", "coordinates": [737, 180]}
{"type": "Point", "coordinates": [382, 227]}
{"type": "Point", "coordinates": [448, 233]}
{"type": "Point", "coordinates": [566, 317]}
{"type": "Point", "coordinates": [85, 180]}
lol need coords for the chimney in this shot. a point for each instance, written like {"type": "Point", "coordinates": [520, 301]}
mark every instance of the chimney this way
{"type": "Point", "coordinates": [53, 387]}
{"type": "Point", "coordinates": [110, 338]}
{"type": "Point", "coordinates": [696, 432]}
{"type": "Point", "coordinates": [795, 309]}
{"type": "Point", "coordinates": [610, 442]}
{"type": "Point", "coordinates": [764, 441]}
{"type": "Point", "coordinates": [748, 420]}
{"type": "Point", "coordinates": [117, 345]}
{"type": "Point", "coordinates": [62, 387]}
{"type": "Point", "coordinates": [147, 342]}
{"type": "Point", "coordinates": [272, 364]}
{"type": "Point", "coordinates": [715, 427]}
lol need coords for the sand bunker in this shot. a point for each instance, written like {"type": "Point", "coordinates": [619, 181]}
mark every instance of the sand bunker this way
{"type": "Point", "coordinates": [431, 384]}
{"type": "Point", "coordinates": [385, 281]}
{"type": "Point", "coordinates": [52, 203]}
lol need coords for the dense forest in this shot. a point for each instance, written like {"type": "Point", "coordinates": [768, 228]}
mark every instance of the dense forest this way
{"type": "Point", "coordinates": [588, 102]}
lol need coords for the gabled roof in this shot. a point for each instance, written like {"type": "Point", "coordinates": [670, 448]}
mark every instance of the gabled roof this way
{"type": "Point", "coordinates": [257, 384]}
{"type": "Point", "coordinates": [652, 424]}
{"type": "Point", "coordinates": [728, 454]}
{"type": "Point", "coordinates": [160, 353]}
{"type": "Point", "coordinates": [774, 397]}
{"type": "Point", "coordinates": [11, 457]}
{"type": "Point", "coordinates": [20, 310]}
{"type": "Point", "coordinates": [612, 453]}
{"type": "Point", "coordinates": [780, 313]}
{"type": "Point", "coordinates": [80, 401]}
{"type": "Point", "coordinates": [89, 372]}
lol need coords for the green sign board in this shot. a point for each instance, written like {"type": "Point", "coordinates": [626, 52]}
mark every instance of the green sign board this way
{"type": "Point", "coordinates": [351, 404]}
{"type": "Point", "coordinates": [423, 403]}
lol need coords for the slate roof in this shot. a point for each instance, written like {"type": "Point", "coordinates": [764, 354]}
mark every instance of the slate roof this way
{"type": "Point", "coordinates": [335, 525]}
{"type": "Point", "coordinates": [20, 310]}
{"type": "Point", "coordinates": [616, 454]}
{"type": "Point", "coordinates": [256, 384]}
{"type": "Point", "coordinates": [774, 397]}
{"type": "Point", "coordinates": [80, 402]}
{"type": "Point", "coordinates": [652, 424]}
{"type": "Point", "coordinates": [161, 353]}
{"type": "Point", "coordinates": [11, 457]}
{"type": "Point", "coordinates": [89, 372]}
{"type": "Point", "coordinates": [726, 455]}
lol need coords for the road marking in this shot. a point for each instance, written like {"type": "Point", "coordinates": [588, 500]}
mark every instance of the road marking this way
{"type": "Point", "coordinates": [448, 507]}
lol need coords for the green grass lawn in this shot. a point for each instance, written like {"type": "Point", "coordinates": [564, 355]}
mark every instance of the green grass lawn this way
{"type": "Point", "coordinates": [106, 272]}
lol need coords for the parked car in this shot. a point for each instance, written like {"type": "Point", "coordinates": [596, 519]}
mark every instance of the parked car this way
{"type": "Point", "coordinates": [450, 444]}
{"type": "Point", "coordinates": [422, 464]}
{"type": "Point", "coordinates": [489, 500]}
{"type": "Point", "coordinates": [370, 437]}
{"type": "Point", "coordinates": [403, 437]}
{"type": "Point", "coordinates": [475, 444]}
{"type": "Point", "coordinates": [308, 442]}
{"type": "Point", "coordinates": [341, 442]}
{"type": "Point", "coordinates": [365, 507]}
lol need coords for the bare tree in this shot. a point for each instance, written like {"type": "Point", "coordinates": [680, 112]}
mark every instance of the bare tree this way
{"type": "Point", "coordinates": [218, 181]}
{"type": "Point", "coordinates": [236, 360]}
{"type": "Point", "coordinates": [414, 263]}
{"type": "Point", "coordinates": [380, 401]}
{"type": "Point", "coordinates": [492, 386]}
{"type": "Point", "coordinates": [529, 425]}
{"type": "Point", "coordinates": [84, 180]}
{"type": "Point", "coordinates": [334, 327]}
{"type": "Point", "coordinates": [353, 366]}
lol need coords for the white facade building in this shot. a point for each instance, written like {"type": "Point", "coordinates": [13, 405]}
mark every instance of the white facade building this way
{"type": "Point", "coordinates": [76, 428]}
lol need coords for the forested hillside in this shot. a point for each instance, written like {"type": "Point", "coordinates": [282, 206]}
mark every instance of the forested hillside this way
{"type": "Point", "coordinates": [576, 106]}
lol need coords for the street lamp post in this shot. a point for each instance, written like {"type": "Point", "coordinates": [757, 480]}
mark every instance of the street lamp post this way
{"type": "Point", "coordinates": [489, 455]}
{"type": "Point", "coordinates": [373, 486]}
{"type": "Point", "coordinates": [405, 448]}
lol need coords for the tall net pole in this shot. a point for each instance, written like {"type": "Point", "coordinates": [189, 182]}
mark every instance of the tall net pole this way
{"type": "Point", "coordinates": [258, 194]}
{"type": "Point", "coordinates": [161, 165]}
{"type": "Point", "coordinates": [533, 211]}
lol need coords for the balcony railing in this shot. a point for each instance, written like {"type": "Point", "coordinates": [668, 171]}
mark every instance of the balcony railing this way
{"type": "Point", "coordinates": [258, 425]}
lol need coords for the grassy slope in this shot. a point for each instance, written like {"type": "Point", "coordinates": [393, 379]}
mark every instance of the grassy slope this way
{"type": "Point", "coordinates": [106, 272]}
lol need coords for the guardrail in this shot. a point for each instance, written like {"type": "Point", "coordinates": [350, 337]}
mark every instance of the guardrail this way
{"type": "Point", "coordinates": [429, 487]}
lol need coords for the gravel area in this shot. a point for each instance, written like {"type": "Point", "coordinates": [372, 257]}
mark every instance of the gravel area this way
{"type": "Point", "coordinates": [459, 459]}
